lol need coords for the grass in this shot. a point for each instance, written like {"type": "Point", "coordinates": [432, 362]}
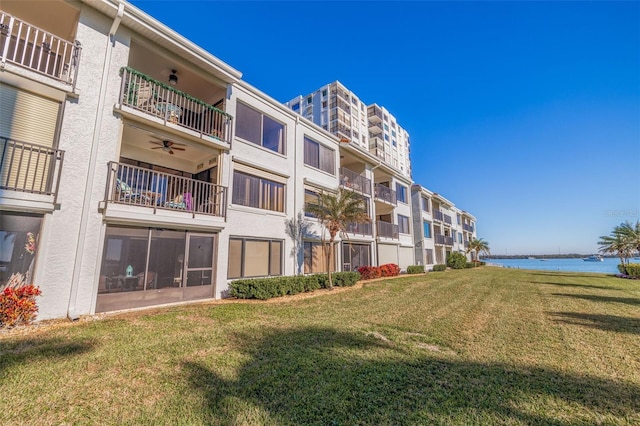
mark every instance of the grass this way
{"type": "Point", "coordinates": [480, 346]}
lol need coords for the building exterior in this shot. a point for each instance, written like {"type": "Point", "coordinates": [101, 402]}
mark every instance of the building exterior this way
{"type": "Point", "coordinates": [138, 170]}
{"type": "Point", "coordinates": [372, 128]}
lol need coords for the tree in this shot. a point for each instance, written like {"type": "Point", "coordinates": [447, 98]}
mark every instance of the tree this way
{"type": "Point", "coordinates": [623, 241]}
{"type": "Point", "coordinates": [335, 212]}
{"type": "Point", "coordinates": [478, 246]}
{"type": "Point", "coordinates": [297, 228]}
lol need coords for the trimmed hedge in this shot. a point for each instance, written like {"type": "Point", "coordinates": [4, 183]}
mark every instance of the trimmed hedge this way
{"type": "Point", "coordinates": [415, 269]}
{"type": "Point", "coordinates": [386, 270]}
{"type": "Point", "coordinates": [266, 288]}
{"type": "Point", "coordinates": [470, 265]}
{"type": "Point", "coordinates": [439, 268]}
{"type": "Point", "coordinates": [632, 269]}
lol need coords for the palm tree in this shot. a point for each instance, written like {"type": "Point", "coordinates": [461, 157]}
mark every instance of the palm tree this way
{"type": "Point", "coordinates": [623, 241]}
{"type": "Point", "coordinates": [335, 212]}
{"type": "Point", "coordinates": [479, 246]}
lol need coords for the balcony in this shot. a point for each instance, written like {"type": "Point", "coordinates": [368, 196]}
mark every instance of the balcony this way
{"type": "Point", "coordinates": [382, 193]}
{"type": "Point", "coordinates": [141, 187]}
{"type": "Point", "coordinates": [360, 228]}
{"type": "Point", "coordinates": [387, 230]}
{"type": "Point", "coordinates": [466, 227]}
{"type": "Point", "coordinates": [447, 219]}
{"type": "Point", "coordinates": [443, 240]}
{"type": "Point", "coordinates": [355, 181]}
{"type": "Point", "coordinates": [38, 50]}
{"type": "Point", "coordinates": [375, 128]}
{"type": "Point", "coordinates": [31, 168]}
{"type": "Point", "coordinates": [438, 215]}
{"type": "Point", "coordinates": [466, 243]}
{"type": "Point", "coordinates": [374, 114]}
{"type": "Point", "coordinates": [156, 99]}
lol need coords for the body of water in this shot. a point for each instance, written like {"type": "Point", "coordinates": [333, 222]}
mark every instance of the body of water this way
{"type": "Point", "coordinates": [607, 266]}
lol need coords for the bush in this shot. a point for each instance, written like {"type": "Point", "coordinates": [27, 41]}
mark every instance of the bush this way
{"type": "Point", "coordinates": [633, 270]}
{"type": "Point", "coordinates": [18, 305]}
{"type": "Point", "coordinates": [439, 268]}
{"type": "Point", "coordinates": [369, 272]}
{"type": "Point", "coordinates": [266, 288]}
{"type": "Point", "coordinates": [622, 269]}
{"type": "Point", "coordinates": [483, 263]}
{"type": "Point", "coordinates": [456, 260]}
{"type": "Point", "coordinates": [415, 269]}
{"type": "Point", "coordinates": [470, 265]}
{"type": "Point", "coordinates": [389, 270]}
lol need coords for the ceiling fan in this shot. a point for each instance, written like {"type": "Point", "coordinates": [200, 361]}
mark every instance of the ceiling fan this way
{"type": "Point", "coordinates": [167, 146]}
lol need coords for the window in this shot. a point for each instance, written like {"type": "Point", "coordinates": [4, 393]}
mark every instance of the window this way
{"type": "Point", "coordinates": [258, 128]}
{"type": "Point", "coordinates": [403, 224]}
{"type": "Point", "coordinates": [324, 93]}
{"type": "Point", "coordinates": [309, 100]}
{"type": "Point", "coordinates": [296, 107]}
{"type": "Point", "coordinates": [386, 137]}
{"type": "Point", "coordinates": [460, 237]}
{"type": "Point", "coordinates": [324, 104]}
{"type": "Point", "coordinates": [254, 258]}
{"type": "Point", "coordinates": [459, 219]}
{"type": "Point", "coordinates": [355, 256]}
{"type": "Point", "coordinates": [427, 229]}
{"type": "Point", "coordinates": [18, 245]}
{"type": "Point", "coordinates": [425, 204]}
{"type": "Point", "coordinates": [319, 156]}
{"type": "Point", "coordinates": [401, 193]}
{"type": "Point", "coordinates": [253, 191]}
{"type": "Point", "coordinates": [429, 253]}
{"type": "Point", "coordinates": [315, 258]}
{"type": "Point", "coordinates": [393, 133]}
{"type": "Point", "coordinates": [310, 197]}
{"type": "Point", "coordinates": [386, 128]}
{"type": "Point", "coordinates": [393, 142]}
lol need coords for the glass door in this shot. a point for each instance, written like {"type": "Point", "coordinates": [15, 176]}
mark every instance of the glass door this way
{"type": "Point", "coordinates": [199, 264]}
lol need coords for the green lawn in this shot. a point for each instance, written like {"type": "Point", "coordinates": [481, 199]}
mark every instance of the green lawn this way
{"type": "Point", "coordinates": [480, 346]}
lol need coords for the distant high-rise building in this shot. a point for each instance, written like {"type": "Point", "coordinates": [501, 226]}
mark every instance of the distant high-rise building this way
{"type": "Point", "coordinates": [372, 128]}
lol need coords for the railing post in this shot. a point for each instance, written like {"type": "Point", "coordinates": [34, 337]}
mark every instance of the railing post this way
{"type": "Point", "coordinates": [5, 49]}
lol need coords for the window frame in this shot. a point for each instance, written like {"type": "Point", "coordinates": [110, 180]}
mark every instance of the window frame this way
{"type": "Point", "coordinates": [401, 189]}
{"type": "Point", "coordinates": [426, 229]}
{"type": "Point", "coordinates": [403, 218]}
{"type": "Point", "coordinates": [244, 240]}
{"type": "Point", "coordinates": [261, 143]}
{"type": "Point", "coordinates": [320, 149]}
{"type": "Point", "coordinates": [235, 198]}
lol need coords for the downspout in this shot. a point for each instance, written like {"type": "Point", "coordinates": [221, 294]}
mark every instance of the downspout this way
{"type": "Point", "coordinates": [296, 259]}
{"type": "Point", "coordinates": [86, 203]}
{"type": "Point", "coordinates": [374, 228]}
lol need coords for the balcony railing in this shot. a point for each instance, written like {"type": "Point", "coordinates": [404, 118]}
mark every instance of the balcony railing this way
{"type": "Point", "coordinates": [28, 167]}
{"type": "Point", "coordinates": [360, 228]}
{"type": "Point", "coordinates": [466, 244]}
{"type": "Point", "coordinates": [443, 240]}
{"type": "Point", "coordinates": [355, 181]}
{"type": "Point", "coordinates": [385, 194]}
{"type": "Point", "coordinates": [387, 230]}
{"type": "Point", "coordinates": [147, 188]}
{"type": "Point", "coordinates": [466, 227]}
{"type": "Point", "coordinates": [29, 46]}
{"type": "Point", "coordinates": [374, 114]}
{"type": "Point", "coordinates": [145, 94]}
{"type": "Point", "coordinates": [438, 215]}
{"type": "Point", "coordinates": [447, 219]}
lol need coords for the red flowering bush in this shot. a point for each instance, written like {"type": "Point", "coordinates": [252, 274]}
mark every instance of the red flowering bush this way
{"type": "Point", "coordinates": [369, 272]}
{"type": "Point", "coordinates": [18, 305]}
{"type": "Point", "coordinates": [389, 270]}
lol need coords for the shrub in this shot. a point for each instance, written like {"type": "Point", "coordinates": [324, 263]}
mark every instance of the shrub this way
{"type": "Point", "coordinates": [369, 272]}
{"type": "Point", "coordinates": [439, 268]}
{"type": "Point", "coordinates": [389, 270]}
{"type": "Point", "coordinates": [266, 288]}
{"type": "Point", "coordinates": [18, 305]}
{"type": "Point", "coordinates": [633, 269]}
{"type": "Point", "coordinates": [622, 269]}
{"type": "Point", "coordinates": [456, 260]}
{"type": "Point", "coordinates": [470, 265]}
{"type": "Point", "coordinates": [415, 269]}
{"type": "Point", "coordinates": [483, 263]}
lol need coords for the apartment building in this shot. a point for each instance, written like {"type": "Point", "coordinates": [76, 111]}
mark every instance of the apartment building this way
{"type": "Point", "coordinates": [138, 170]}
{"type": "Point", "coordinates": [372, 128]}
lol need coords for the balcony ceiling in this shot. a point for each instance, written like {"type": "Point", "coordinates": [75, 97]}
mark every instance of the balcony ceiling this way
{"type": "Point", "coordinates": [136, 144]}
{"type": "Point", "coordinates": [54, 16]}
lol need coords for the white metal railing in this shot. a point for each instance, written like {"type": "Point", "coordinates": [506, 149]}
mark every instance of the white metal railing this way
{"type": "Point", "coordinates": [34, 48]}
{"type": "Point", "coordinates": [28, 167]}
{"type": "Point", "coordinates": [147, 188]}
{"type": "Point", "coordinates": [143, 93]}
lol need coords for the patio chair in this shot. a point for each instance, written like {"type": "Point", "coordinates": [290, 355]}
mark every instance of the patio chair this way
{"type": "Point", "coordinates": [182, 202]}
{"type": "Point", "coordinates": [124, 192]}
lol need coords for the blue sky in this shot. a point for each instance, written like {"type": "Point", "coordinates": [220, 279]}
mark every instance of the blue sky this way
{"type": "Point", "coordinates": [526, 114]}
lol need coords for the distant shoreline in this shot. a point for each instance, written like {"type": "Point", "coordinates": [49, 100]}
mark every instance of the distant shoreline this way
{"type": "Point", "coordinates": [542, 256]}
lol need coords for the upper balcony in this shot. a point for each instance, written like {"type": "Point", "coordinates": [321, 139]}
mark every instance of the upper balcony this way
{"type": "Point", "coordinates": [357, 182]}
{"type": "Point", "coordinates": [385, 194]}
{"type": "Point", "coordinates": [438, 215]}
{"type": "Point", "coordinates": [466, 227]}
{"type": "Point", "coordinates": [374, 113]}
{"type": "Point", "coordinates": [447, 219]}
{"type": "Point", "coordinates": [30, 168]}
{"type": "Point", "coordinates": [360, 228]}
{"type": "Point", "coordinates": [153, 190]}
{"type": "Point", "coordinates": [28, 46]}
{"type": "Point", "coordinates": [443, 240]}
{"type": "Point", "coordinates": [166, 105]}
